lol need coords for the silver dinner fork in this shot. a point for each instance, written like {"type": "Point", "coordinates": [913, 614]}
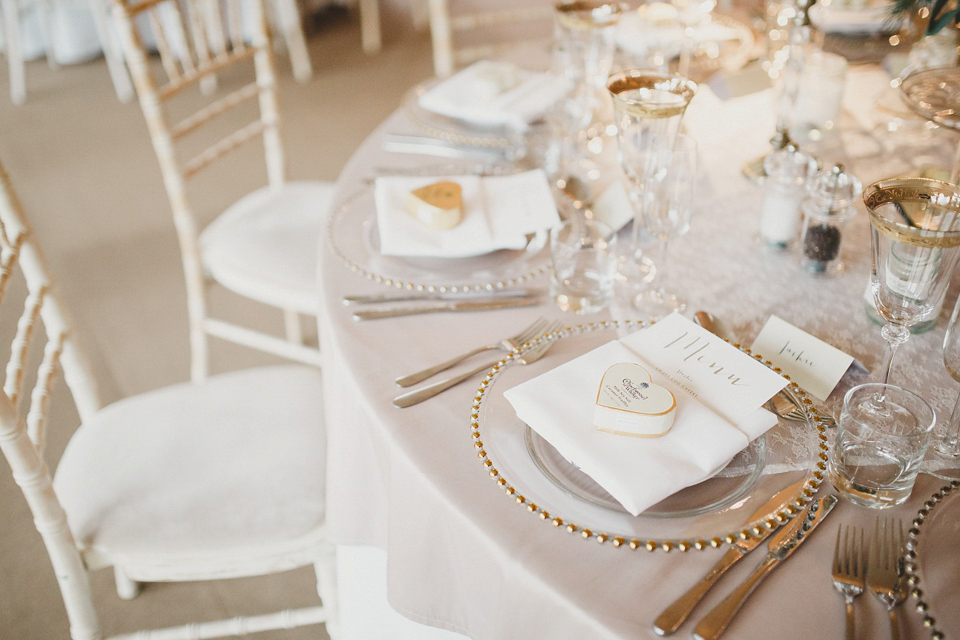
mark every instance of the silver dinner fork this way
{"type": "Point", "coordinates": [415, 397]}
{"type": "Point", "coordinates": [539, 327]}
{"type": "Point", "coordinates": [884, 575]}
{"type": "Point", "coordinates": [848, 571]}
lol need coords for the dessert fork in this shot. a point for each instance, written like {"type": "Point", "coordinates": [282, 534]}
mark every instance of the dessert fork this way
{"type": "Point", "coordinates": [884, 569]}
{"type": "Point", "coordinates": [539, 327]}
{"type": "Point", "coordinates": [848, 570]}
{"type": "Point", "coordinates": [415, 397]}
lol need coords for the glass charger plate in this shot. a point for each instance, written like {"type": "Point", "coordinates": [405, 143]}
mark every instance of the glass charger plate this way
{"type": "Point", "coordinates": [709, 56]}
{"type": "Point", "coordinates": [933, 541]}
{"type": "Point", "coordinates": [354, 238]}
{"type": "Point", "coordinates": [935, 95]}
{"type": "Point", "coordinates": [719, 510]}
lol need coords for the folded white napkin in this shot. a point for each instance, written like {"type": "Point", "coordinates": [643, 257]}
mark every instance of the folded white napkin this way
{"type": "Point", "coordinates": [495, 94]}
{"type": "Point", "coordinates": [849, 20]}
{"type": "Point", "coordinates": [498, 213]}
{"type": "Point", "coordinates": [637, 472]}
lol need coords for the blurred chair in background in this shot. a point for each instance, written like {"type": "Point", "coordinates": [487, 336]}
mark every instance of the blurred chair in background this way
{"type": "Point", "coordinates": [264, 246]}
{"type": "Point", "coordinates": [464, 31]}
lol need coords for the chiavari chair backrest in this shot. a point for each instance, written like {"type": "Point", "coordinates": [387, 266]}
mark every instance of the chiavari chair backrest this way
{"type": "Point", "coordinates": [464, 31]}
{"type": "Point", "coordinates": [42, 345]}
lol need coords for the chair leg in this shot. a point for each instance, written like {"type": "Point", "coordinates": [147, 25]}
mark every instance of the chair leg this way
{"type": "Point", "coordinates": [11, 24]}
{"type": "Point", "coordinates": [370, 36]}
{"type": "Point", "coordinates": [290, 23]}
{"type": "Point", "coordinates": [419, 14]}
{"type": "Point", "coordinates": [111, 51]}
{"type": "Point", "coordinates": [326, 570]}
{"type": "Point", "coordinates": [127, 589]}
{"type": "Point", "coordinates": [292, 326]}
{"type": "Point", "coordinates": [43, 13]}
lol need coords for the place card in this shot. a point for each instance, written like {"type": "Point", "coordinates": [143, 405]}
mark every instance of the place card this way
{"type": "Point", "coordinates": [719, 375]}
{"type": "Point", "coordinates": [810, 362]}
{"type": "Point", "coordinates": [613, 207]}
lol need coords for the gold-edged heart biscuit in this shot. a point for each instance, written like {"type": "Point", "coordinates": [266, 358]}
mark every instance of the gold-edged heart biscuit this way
{"type": "Point", "coordinates": [630, 404]}
{"type": "Point", "coordinates": [438, 205]}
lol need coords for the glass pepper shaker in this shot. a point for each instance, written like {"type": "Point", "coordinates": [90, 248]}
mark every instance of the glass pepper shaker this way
{"type": "Point", "coordinates": [826, 209]}
{"type": "Point", "coordinates": [787, 171]}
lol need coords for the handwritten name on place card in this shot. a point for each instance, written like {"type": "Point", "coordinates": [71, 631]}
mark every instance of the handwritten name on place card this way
{"type": "Point", "coordinates": [810, 362]}
{"type": "Point", "coordinates": [721, 376]}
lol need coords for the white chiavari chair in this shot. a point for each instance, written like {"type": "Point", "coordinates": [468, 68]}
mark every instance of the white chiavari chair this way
{"type": "Point", "coordinates": [214, 480]}
{"type": "Point", "coordinates": [11, 13]}
{"type": "Point", "coordinates": [464, 31]}
{"type": "Point", "coordinates": [263, 246]}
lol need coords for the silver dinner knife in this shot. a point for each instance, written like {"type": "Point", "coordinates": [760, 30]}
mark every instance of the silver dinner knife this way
{"type": "Point", "coordinates": [435, 147]}
{"type": "Point", "coordinates": [781, 546]}
{"type": "Point", "coordinates": [460, 305]}
{"type": "Point", "coordinates": [674, 615]}
{"type": "Point", "coordinates": [427, 297]}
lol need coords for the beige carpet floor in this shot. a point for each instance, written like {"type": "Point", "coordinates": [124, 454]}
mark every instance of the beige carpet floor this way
{"type": "Point", "coordinates": [86, 173]}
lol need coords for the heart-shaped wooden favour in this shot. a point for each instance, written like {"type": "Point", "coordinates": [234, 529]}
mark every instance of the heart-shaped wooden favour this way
{"type": "Point", "coordinates": [630, 404]}
{"type": "Point", "coordinates": [438, 205]}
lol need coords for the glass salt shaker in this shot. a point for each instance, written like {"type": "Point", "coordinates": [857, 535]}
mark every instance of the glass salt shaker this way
{"type": "Point", "coordinates": [787, 171]}
{"type": "Point", "coordinates": [826, 210]}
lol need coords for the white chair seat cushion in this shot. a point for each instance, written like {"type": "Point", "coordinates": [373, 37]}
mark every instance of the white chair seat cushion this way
{"type": "Point", "coordinates": [264, 246]}
{"type": "Point", "coordinates": [235, 464]}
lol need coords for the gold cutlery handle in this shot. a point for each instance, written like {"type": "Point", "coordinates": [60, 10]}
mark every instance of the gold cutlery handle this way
{"type": "Point", "coordinates": [851, 628]}
{"type": "Point", "coordinates": [415, 397]}
{"type": "Point", "coordinates": [716, 622]}
{"type": "Point", "coordinates": [674, 615]}
{"type": "Point", "coordinates": [894, 624]}
{"type": "Point", "coordinates": [420, 376]}
{"type": "Point", "coordinates": [396, 313]}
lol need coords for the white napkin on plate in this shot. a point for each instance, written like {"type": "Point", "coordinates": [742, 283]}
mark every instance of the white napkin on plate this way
{"type": "Point", "coordinates": [637, 472]}
{"type": "Point", "coordinates": [495, 94]}
{"type": "Point", "coordinates": [498, 213]}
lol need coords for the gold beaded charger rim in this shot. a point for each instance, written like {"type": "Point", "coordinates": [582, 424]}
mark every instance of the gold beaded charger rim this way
{"type": "Point", "coordinates": [344, 237]}
{"type": "Point", "coordinates": [793, 505]}
{"type": "Point", "coordinates": [911, 571]}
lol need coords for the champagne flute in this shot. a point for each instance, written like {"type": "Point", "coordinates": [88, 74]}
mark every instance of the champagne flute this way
{"type": "Point", "coordinates": [649, 107]}
{"type": "Point", "coordinates": [943, 457]}
{"type": "Point", "coordinates": [667, 217]}
{"type": "Point", "coordinates": [915, 234]}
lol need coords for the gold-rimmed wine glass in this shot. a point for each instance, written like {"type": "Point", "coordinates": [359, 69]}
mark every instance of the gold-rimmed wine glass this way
{"type": "Point", "coordinates": [649, 107]}
{"type": "Point", "coordinates": [943, 454]}
{"type": "Point", "coordinates": [915, 235]}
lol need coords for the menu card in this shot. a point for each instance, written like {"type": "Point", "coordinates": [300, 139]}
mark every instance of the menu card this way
{"type": "Point", "coordinates": [708, 368]}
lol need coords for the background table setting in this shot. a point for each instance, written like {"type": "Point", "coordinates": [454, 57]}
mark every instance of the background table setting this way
{"type": "Point", "coordinates": [489, 530]}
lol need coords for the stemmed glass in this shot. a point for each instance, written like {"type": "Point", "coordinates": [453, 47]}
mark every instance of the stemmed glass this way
{"type": "Point", "coordinates": [584, 46]}
{"type": "Point", "coordinates": [649, 106]}
{"type": "Point", "coordinates": [915, 233]}
{"type": "Point", "coordinates": [935, 95]}
{"type": "Point", "coordinates": [691, 14]}
{"type": "Point", "coordinates": [667, 217]}
{"type": "Point", "coordinates": [943, 457]}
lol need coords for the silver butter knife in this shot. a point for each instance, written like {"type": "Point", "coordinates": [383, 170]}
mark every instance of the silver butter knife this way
{"type": "Point", "coordinates": [461, 305]}
{"type": "Point", "coordinates": [465, 295]}
{"type": "Point", "coordinates": [674, 615]}
{"type": "Point", "coordinates": [781, 546]}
